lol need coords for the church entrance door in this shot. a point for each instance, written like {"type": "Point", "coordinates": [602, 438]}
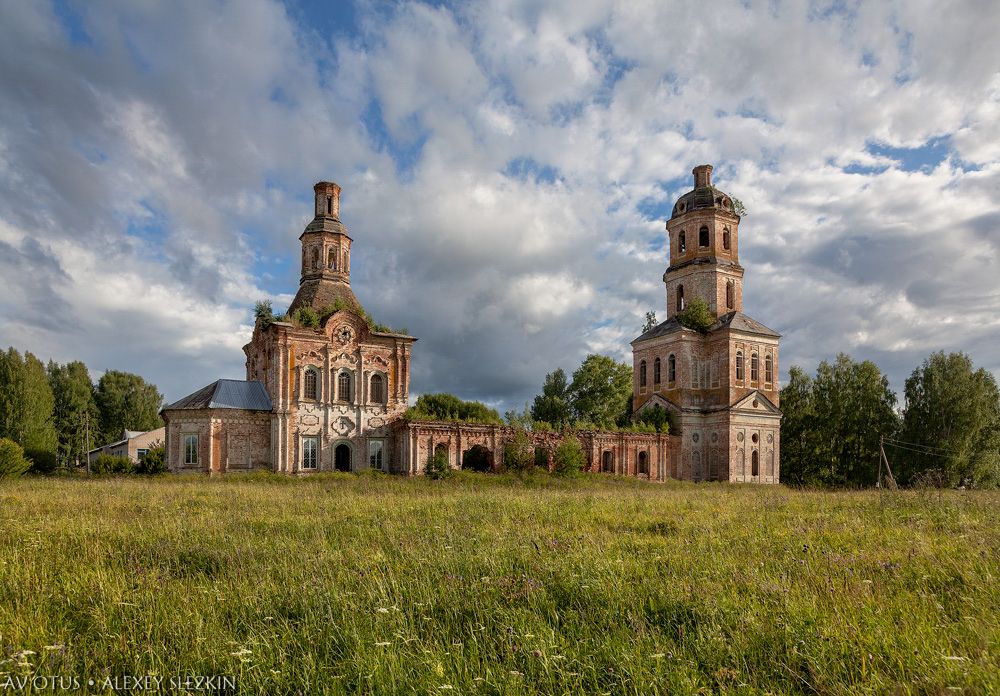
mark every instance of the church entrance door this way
{"type": "Point", "coordinates": [342, 458]}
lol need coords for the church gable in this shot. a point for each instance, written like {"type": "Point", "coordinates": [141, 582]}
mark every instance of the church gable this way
{"type": "Point", "coordinates": [755, 402]}
{"type": "Point", "coordinates": [658, 400]}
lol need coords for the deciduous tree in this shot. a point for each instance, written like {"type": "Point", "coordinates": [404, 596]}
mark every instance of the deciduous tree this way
{"type": "Point", "coordinates": [126, 402]}
{"type": "Point", "coordinates": [832, 424]}
{"type": "Point", "coordinates": [553, 404]}
{"type": "Point", "coordinates": [952, 414]}
{"type": "Point", "coordinates": [75, 411]}
{"type": "Point", "coordinates": [601, 391]}
{"type": "Point", "coordinates": [26, 404]}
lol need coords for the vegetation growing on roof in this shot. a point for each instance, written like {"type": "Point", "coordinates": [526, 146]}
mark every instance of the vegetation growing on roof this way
{"type": "Point", "coordinates": [309, 318]}
{"type": "Point", "coordinates": [696, 316]}
{"type": "Point", "coordinates": [264, 313]}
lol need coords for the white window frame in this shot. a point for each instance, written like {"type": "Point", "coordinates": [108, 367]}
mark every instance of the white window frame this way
{"type": "Point", "coordinates": [190, 460]}
{"type": "Point", "coordinates": [314, 464]}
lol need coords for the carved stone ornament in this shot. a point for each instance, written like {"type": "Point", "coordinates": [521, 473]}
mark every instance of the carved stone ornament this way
{"type": "Point", "coordinates": [344, 335]}
{"type": "Point", "coordinates": [343, 426]}
{"type": "Point", "coordinates": [309, 419]}
{"type": "Point", "coordinates": [376, 422]}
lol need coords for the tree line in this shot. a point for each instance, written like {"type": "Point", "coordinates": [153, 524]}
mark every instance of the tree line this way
{"type": "Point", "coordinates": [55, 412]}
{"type": "Point", "coordinates": [837, 423]}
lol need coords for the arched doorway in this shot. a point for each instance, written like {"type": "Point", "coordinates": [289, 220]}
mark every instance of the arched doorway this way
{"type": "Point", "coordinates": [342, 457]}
{"type": "Point", "coordinates": [477, 458]}
{"type": "Point", "coordinates": [643, 463]}
{"type": "Point", "coordinates": [608, 462]}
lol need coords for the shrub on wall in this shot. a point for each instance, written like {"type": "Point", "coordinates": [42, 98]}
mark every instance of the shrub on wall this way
{"type": "Point", "coordinates": [569, 459]}
{"type": "Point", "coordinates": [437, 467]}
{"type": "Point", "coordinates": [518, 453]}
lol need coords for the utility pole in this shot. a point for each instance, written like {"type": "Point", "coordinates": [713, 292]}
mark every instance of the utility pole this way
{"type": "Point", "coordinates": [86, 422]}
{"type": "Point", "coordinates": [891, 480]}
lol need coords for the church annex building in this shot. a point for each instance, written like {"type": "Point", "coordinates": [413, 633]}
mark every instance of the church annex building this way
{"type": "Point", "coordinates": [333, 398]}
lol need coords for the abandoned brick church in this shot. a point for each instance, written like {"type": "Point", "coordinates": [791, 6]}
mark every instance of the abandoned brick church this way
{"type": "Point", "coordinates": [333, 398]}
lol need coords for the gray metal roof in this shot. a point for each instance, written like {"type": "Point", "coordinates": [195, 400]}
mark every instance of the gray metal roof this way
{"type": "Point", "coordinates": [741, 322]}
{"type": "Point", "coordinates": [226, 393]}
{"type": "Point", "coordinates": [733, 320]}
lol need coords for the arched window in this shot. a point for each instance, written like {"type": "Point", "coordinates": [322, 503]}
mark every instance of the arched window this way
{"type": "Point", "coordinates": [725, 238]}
{"type": "Point", "coordinates": [315, 257]}
{"type": "Point", "coordinates": [730, 295]}
{"type": "Point", "coordinates": [768, 369]}
{"type": "Point", "coordinates": [681, 242]}
{"type": "Point", "coordinates": [755, 464]}
{"type": "Point", "coordinates": [376, 393]}
{"type": "Point", "coordinates": [671, 369]}
{"type": "Point", "coordinates": [329, 205]}
{"type": "Point", "coordinates": [753, 367]}
{"type": "Point", "coordinates": [344, 386]}
{"type": "Point", "coordinates": [680, 298]}
{"type": "Point", "coordinates": [309, 385]}
{"type": "Point", "coordinates": [703, 236]}
{"type": "Point", "coordinates": [643, 463]}
{"type": "Point", "coordinates": [331, 259]}
{"type": "Point", "coordinates": [656, 371]}
{"type": "Point", "coordinates": [739, 365]}
{"type": "Point", "coordinates": [642, 373]}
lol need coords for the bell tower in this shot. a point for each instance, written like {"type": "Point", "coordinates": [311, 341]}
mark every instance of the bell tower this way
{"type": "Point", "coordinates": [326, 254]}
{"type": "Point", "coordinates": [704, 249]}
{"type": "Point", "coordinates": [720, 382]}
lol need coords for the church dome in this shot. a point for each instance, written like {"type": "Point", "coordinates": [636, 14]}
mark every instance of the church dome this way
{"type": "Point", "coordinates": [704, 194]}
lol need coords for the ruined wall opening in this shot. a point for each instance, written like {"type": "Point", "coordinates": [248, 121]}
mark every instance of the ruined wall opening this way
{"type": "Point", "coordinates": [477, 458]}
{"type": "Point", "coordinates": [608, 462]}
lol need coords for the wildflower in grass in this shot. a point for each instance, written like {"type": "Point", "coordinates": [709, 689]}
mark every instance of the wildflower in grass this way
{"type": "Point", "coordinates": [383, 644]}
{"type": "Point", "coordinates": [241, 652]}
{"type": "Point", "coordinates": [657, 656]}
{"type": "Point", "coordinates": [382, 610]}
{"type": "Point", "coordinates": [58, 646]}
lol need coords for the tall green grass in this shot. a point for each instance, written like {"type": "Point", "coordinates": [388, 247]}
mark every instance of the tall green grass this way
{"type": "Point", "coordinates": [484, 584]}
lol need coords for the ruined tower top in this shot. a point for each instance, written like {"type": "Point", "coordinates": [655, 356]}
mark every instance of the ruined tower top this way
{"type": "Point", "coordinates": [326, 255]}
{"type": "Point", "coordinates": [702, 175]}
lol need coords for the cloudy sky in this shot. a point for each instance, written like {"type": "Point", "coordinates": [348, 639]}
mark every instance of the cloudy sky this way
{"type": "Point", "coordinates": [507, 169]}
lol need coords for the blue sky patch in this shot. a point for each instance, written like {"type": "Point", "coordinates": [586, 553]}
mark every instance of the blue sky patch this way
{"type": "Point", "coordinates": [529, 169]}
{"type": "Point", "coordinates": [915, 159]}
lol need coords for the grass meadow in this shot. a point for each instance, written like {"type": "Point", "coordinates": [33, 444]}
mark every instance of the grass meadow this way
{"type": "Point", "coordinates": [487, 584]}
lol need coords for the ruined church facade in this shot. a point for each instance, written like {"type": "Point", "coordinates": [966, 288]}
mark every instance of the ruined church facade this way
{"type": "Point", "coordinates": [327, 389]}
